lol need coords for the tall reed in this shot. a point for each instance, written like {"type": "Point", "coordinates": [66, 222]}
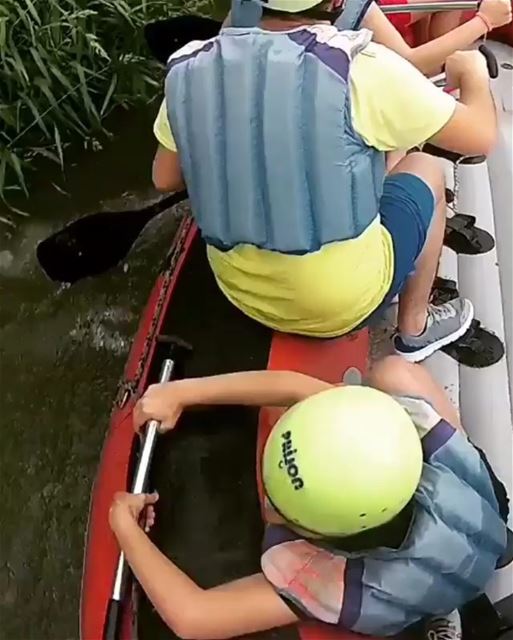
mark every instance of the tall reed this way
{"type": "Point", "coordinates": [64, 65]}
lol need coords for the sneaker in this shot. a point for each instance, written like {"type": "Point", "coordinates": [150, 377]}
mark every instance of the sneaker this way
{"type": "Point", "coordinates": [444, 627]}
{"type": "Point", "coordinates": [445, 324]}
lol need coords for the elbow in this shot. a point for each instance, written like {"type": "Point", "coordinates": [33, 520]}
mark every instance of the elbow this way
{"type": "Point", "coordinates": [182, 625]}
{"type": "Point", "coordinates": [488, 142]}
{"type": "Point", "coordinates": [189, 631]}
{"type": "Point", "coordinates": [163, 186]}
{"type": "Point", "coordinates": [166, 173]}
{"type": "Point", "coordinates": [481, 144]}
{"type": "Point", "coordinates": [189, 624]}
{"type": "Point", "coordinates": [163, 182]}
{"type": "Point", "coordinates": [482, 147]}
{"type": "Point", "coordinates": [184, 631]}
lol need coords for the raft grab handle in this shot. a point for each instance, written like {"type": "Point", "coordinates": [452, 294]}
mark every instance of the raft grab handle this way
{"type": "Point", "coordinates": [491, 62]}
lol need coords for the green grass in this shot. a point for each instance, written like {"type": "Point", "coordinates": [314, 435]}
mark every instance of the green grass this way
{"type": "Point", "coordinates": [64, 66]}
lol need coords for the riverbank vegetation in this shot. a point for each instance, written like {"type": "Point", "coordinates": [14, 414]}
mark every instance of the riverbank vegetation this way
{"type": "Point", "coordinates": [65, 65]}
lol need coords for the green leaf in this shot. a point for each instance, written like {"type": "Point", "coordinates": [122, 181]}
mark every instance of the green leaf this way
{"type": "Point", "coordinates": [58, 144]}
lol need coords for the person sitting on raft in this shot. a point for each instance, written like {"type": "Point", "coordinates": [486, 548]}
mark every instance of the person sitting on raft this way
{"type": "Point", "coordinates": [447, 30]}
{"type": "Point", "coordinates": [441, 34]}
{"type": "Point", "coordinates": [380, 512]}
{"type": "Point", "coordinates": [279, 134]}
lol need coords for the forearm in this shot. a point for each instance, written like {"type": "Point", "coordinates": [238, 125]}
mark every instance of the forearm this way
{"type": "Point", "coordinates": [252, 388]}
{"type": "Point", "coordinates": [429, 57]}
{"type": "Point", "coordinates": [169, 589]}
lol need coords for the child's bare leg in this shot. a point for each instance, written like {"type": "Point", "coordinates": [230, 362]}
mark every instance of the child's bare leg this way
{"type": "Point", "coordinates": [396, 376]}
{"type": "Point", "coordinates": [443, 22]}
{"type": "Point", "coordinates": [414, 298]}
{"type": "Point", "coordinates": [393, 157]}
{"type": "Point", "coordinates": [420, 29]}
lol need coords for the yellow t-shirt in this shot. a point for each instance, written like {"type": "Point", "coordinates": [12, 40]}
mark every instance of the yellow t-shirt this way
{"type": "Point", "coordinates": [331, 291]}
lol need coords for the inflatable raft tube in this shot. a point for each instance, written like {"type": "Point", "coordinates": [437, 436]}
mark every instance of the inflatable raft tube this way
{"type": "Point", "coordinates": [482, 188]}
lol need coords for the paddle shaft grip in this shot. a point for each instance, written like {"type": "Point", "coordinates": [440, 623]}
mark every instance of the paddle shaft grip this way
{"type": "Point", "coordinates": [115, 609]}
{"type": "Point", "coordinates": [113, 623]}
{"type": "Point", "coordinates": [491, 63]}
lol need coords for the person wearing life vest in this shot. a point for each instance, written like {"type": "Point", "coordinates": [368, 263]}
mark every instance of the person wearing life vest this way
{"type": "Point", "coordinates": [279, 133]}
{"type": "Point", "coordinates": [381, 514]}
{"type": "Point", "coordinates": [425, 39]}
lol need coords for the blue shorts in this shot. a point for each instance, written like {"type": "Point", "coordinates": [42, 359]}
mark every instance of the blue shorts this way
{"type": "Point", "coordinates": [407, 207]}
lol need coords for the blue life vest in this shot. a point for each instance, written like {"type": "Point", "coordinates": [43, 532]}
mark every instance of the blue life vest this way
{"type": "Point", "coordinates": [262, 123]}
{"type": "Point", "coordinates": [448, 556]}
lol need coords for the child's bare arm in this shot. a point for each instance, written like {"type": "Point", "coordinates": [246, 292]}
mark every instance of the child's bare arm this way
{"type": "Point", "coordinates": [253, 388]}
{"type": "Point", "coordinates": [165, 402]}
{"type": "Point", "coordinates": [428, 57]}
{"type": "Point", "coordinates": [229, 611]}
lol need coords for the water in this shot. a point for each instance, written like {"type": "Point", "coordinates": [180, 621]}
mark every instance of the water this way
{"type": "Point", "coordinates": [62, 351]}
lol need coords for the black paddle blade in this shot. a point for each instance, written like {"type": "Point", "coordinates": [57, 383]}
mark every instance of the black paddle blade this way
{"type": "Point", "coordinates": [89, 246]}
{"type": "Point", "coordinates": [164, 37]}
{"type": "Point", "coordinates": [93, 244]}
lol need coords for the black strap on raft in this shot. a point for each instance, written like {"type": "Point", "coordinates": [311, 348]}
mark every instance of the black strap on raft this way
{"type": "Point", "coordinates": [462, 236]}
{"type": "Point", "coordinates": [477, 348]}
{"type": "Point", "coordinates": [452, 156]}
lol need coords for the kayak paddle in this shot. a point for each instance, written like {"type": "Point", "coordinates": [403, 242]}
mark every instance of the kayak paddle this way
{"type": "Point", "coordinates": [97, 242]}
{"type": "Point", "coordinates": [177, 352]}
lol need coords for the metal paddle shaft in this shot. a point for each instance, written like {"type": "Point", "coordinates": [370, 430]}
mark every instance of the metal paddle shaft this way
{"type": "Point", "coordinates": [114, 617]}
{"type": "Point", "coordinates": [431, 7]}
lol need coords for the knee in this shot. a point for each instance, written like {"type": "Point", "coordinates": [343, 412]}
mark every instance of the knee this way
{"type": "Point", "coordinates": [392, 374]}
{"type": "Point", "coordinates": [427, 168]}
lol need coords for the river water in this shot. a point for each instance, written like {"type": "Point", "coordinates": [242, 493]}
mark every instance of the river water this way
{"type": "Point", "coordinates": [62, 351]}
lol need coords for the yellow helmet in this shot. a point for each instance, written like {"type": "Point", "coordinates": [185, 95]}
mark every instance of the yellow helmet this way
{"type": "Point", "coordinates": [342, 461]}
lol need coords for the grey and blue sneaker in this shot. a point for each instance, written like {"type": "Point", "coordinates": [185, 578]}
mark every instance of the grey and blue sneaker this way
{"type": "Point", "coordinates": [444, 627]}
{"type": "Point", "coordinates": [445, 324]}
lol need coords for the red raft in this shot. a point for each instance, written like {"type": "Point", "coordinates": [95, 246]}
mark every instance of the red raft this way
{"type": "Point", "coordinates": [208, 518]}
